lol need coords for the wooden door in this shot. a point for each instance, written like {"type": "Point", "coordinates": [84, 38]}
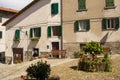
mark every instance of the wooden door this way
{"type": "Point", "coordinates": [18, 55]}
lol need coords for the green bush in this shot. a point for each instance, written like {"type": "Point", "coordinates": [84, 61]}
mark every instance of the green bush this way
{"type": "Point", "coordinates": [78, 54]}
{"type": "Point", "coordinates": [40, 70]}
{"type": "Point", "coordinates": [93, 48]}
{"type": "Point", "coordinates": [95, 65]}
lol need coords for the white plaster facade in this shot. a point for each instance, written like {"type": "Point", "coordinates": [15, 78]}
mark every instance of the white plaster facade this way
{"type": "Point", "coordinates": [38, 15]}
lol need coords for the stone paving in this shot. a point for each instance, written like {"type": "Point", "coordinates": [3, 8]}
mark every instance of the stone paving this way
{"type": "Point", "coordinates": [9, 72]}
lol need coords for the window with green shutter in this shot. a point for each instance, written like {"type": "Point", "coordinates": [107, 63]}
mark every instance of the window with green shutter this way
{"type": "Point", "coordinates": [0, 34]}
{"type": "Point", "coordinates": [31, 32]}
{"type": "Point", "coordinates": [109, 3]}
{"type": "Point", "coordinates": [82, 25]}
{"type": "Point", "coordinates": [59, 30]}
{"type": "Point", "coordinates": [81, 4]}
{"type": "Point", "coordinates": [49, 30]}
{"type": "Point", "coordinates": [110, 23]}
{"type": "Point", "coordinates": [17, 35]}
{"type": "Point", "coordinates": [54, 8]}
{"type": "Point", "coordinates": [76, 26]}
{"type": "Point", "coordinates": [35, 33]}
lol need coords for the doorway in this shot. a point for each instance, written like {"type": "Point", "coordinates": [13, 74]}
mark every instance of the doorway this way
{"type": "Point", "coordinates": [18, 55]}
{"type": "Point", "coordinates": [55, 45]}
{"type": "Point", "coordinates": [35, 52]}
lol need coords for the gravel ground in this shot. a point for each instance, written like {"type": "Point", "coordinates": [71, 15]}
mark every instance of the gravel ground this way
{"type": "Point", "coordinates": [66, 72]}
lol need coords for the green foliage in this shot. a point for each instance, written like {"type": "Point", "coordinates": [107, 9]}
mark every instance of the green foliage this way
{"type": "Point", "coordinates": [35, 39]}
{"type": "Point", "coordinates": [78, 54]}
{"type": "Point", "coordinates": [95, 65]}
{"type": "Point", "coordinates": [40, 70]}
{"type": "Point", "coordinates": [93, 48]}
{"type": "Point", "coordinates": [106, 55]}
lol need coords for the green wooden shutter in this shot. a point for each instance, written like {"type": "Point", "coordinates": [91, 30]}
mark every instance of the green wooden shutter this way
{"type": "Point", "coordinates": [60, 31]}
{"type": "Point", "coordinates": [17, 34]}
{"type": "Point", "coordinates": [39, 32]}
{"type": "Point", "coordinates": [104, 25]}
{"type": "Point", "coordinates": [31, 32]}
{"type": "Point", "coordinates": [117, 23]}
{"type": "Point", "coordinates": [0, 34]}
{"type": "Point", "coordinates": [76, 26]}
{"type": "Point", "coordinates": [49, 30]}
{"type": "Point", "coordinates": [109, 3]}
{"type": "Point", "coordinates": [54, 8]}
{"type": "Point", "coordinates": [87, 25]}
{"type": "Point", "coordinates": [82, 4]}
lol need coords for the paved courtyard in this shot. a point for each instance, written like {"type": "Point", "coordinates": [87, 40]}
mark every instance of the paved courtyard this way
{"type": "Point", "coordinates": [9, 72]}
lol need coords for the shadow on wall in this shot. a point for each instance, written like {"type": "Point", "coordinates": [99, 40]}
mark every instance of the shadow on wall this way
{"type": "Point", "coordinates": [29, 11]}
{"type": "Point", "coordinates": [104, 39]}
{"type": "Point", "coordinates": [32, 45]}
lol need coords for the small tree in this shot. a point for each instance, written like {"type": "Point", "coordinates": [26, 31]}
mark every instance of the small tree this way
{"type": "Point", "coordinates": [40, 70]}
{"type": "Point", "coordinates": [93, 48]}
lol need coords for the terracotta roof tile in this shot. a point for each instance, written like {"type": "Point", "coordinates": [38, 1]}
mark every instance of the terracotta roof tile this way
{"type": "Point", "coordinates": [9, 9]}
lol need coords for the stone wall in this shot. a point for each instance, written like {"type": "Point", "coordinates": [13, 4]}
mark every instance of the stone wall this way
{"type": "Point", "coordinates": [71, 48]}
{"type": "Point", "coordinates": [114, 46]}
{"type": "Point", "coordinates": [8, 60]}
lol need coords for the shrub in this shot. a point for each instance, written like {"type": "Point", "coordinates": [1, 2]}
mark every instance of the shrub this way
{"type": "Point", "coordinates": [96, 65]}
{"type": "Point", "coordinates": [93, 48]}
{"type": "Point", "coordinates": [40, 70]}
{"type": "Point", "coordinates": [78, 54]}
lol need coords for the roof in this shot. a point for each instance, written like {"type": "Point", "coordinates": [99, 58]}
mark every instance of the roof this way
{"type": "Point", "coordinates": [9, 10]}
{"type": "Point", "coordinates": [20, 12]}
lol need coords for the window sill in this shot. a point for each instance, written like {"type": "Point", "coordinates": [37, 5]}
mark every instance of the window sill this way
{"type": "Point", "coordinates": [17, 40]}
{"type": "Point", "coordinates": [80, 10]}
{"type": "Point", "coordinates": [34, 39]}
{"type": "Point", "coordinates": [110, 29]}
{"type": "Point", "coordinates": [110, 7]}
{"type": "Point", "coordinates": [82, 31]}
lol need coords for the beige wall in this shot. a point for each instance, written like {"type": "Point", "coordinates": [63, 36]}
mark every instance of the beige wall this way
{"type": "Point", "coordinates": [5, 16]}
{"type": "Point", "coordinates": [95, 12]}
{"type": "Point", "coordinates": [39, 15]}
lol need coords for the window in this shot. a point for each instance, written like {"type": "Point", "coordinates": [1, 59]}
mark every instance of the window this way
{"type": "Point", "coordinates": [17, 35]}
{"type": "Point", "coordinates": [54, 8]}
{"type": "Point", "coordinates": [35, 32]}
{"type": "Point", "coordinates": [82, 25]}
{"type": "Point", "coordinates": [54, 31]}
{"type": "Point", "coordinates": [81, 4]}
{"type": "Point", "coordinates": [0, 19]}
{"type": "Point", "coordinates": [110, 23]}
{"type": "Point", "coordinates": [109, 3]}
{"type": "Point", "coordinates": [0, 34]}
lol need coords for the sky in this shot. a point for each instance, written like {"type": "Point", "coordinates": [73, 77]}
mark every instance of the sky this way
{"type": "Point", "coordinates": [14, 4]}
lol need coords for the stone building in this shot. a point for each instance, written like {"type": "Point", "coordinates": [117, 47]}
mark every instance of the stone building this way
{"type": "Point", "coordinates": [35, 30]}
{"type": "Point", "coordinates": [5, 14]}
{"type": "Point", "coordinates": [86, 20]}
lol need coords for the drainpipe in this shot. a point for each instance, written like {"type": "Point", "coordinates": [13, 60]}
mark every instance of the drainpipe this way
{"type": "Point", "coordinates": [62, 26]}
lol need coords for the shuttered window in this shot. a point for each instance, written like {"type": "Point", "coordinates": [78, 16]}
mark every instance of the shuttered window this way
{"type": "Point", "coordinates": [54, 31]}
{"type": "Point", "coordinates": [110, 23]}
{"type": "Point", "coordinates": [0, 34]}
{"type": "Point", "coordinates": [17, 34]}
{"type": "Point", "coordinates": [59, 30]}
{"type": "Point", "coordinates": [35, 32]}
{"type": "Point", "coordinates": [81, 4]}
{"type": "Point", "coordinates": [49, 31]}
{"type": "Point", "coordinates": [109, 3]}
{"type": "Point", "coordinates": [82, 25]}
{"type": "Point", "coordinates": [54, 8]}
